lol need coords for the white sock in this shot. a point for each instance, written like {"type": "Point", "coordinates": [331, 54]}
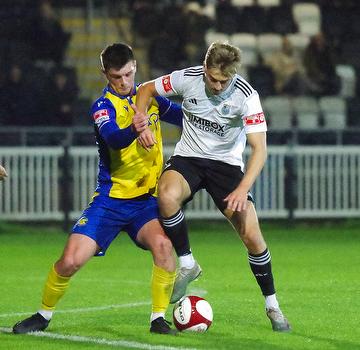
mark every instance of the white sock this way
{"type": "Point", "coordinates": [187, 261]}
{"type": "Point", "coordinates": [156, 315]}
{"type": "Point", "coordinates": [47, 314]}
{"type": "Point", "coordinates": [271, 302]}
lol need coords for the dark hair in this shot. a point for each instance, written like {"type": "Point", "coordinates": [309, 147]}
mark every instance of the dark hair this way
{"type": "Point", "coordinates": [116, 56]}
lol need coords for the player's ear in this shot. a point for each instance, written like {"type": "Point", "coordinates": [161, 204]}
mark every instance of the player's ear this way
{"type": "Point", "coordinates": [135, 66]}
{"type": "Point", "coordinates": [204, 66]}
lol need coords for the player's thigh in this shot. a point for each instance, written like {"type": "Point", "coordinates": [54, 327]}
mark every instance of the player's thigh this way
{"type": "Point", "coordinates": [78, 250]}
{"type": "Point", "coordinates": [181, 179]}
{"type": "Point", "coordinates": [152, 236]}
{"type": "Point", "coordinates": [144, 225]}
{"type": "Point", "coordinates": [221, 180]}
{"type": "Point", "coordinates": [173, 187]}
{"type": "Point", "coordinates": [103, 219]}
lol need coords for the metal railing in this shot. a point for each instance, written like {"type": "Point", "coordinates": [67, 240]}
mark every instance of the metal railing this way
{"type": "Point", "coordinates": [297, 182]}
{"type": "Point", "coordinates": [83, 135]}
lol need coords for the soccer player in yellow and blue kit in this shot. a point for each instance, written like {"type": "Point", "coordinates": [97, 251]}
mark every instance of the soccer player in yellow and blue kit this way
{"type": "Point", "coordinates": [125, 197]}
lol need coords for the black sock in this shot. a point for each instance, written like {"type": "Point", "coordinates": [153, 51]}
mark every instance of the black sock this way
{"type": "Point", "coordinates": [261, 267]}
{"type": "Point", "coordinates": [176, 229]}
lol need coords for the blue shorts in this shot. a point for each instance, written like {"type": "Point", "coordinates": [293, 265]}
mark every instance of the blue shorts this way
{"type": "Point", "coordinates": [105, 217]}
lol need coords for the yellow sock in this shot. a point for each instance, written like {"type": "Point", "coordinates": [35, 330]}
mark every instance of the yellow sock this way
{"type": "Point", "coordinates": [162, 284]}
{"type": "Point", "coordinates": [54, 289]}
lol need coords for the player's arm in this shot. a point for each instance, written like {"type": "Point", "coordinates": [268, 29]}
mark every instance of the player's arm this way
{"type": "Point", "coordinates": [237, 200]}
{"type": "Point", "coordinates": [118, 138]}
{"type": "Point", "coordinates": [114, 136]}
{"type": "Point", "coordinates": [169, 111]}
{"type": "Point", "coordinates": [144, 94]}
{"type": "Point", "coordinates": [3, 173]}
{"type": "Point", "coordinates": [256, 161]}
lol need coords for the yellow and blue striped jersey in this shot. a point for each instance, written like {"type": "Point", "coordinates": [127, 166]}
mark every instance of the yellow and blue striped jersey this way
{"type": "Point", "coordinates": [126, 169]}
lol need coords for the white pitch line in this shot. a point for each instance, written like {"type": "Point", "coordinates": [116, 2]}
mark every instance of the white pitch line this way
{"type": "Point", "coordinates": [88, 309]}
{"type": "Point", "coordinates": [197, 291]}
{"type": "Point", "coordinates": [101, 341]}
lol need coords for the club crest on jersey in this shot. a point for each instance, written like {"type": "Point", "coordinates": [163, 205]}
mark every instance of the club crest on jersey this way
{"type": "Point", "coordinates": [225, 109]}
{"type": "Point", "coordinates": [153, 119]}
{"type": "Point", "coordinates": [254, 119]}
{"type": "Point", "coordinates": [101, 116]}
{"type": "Point", "coordinates": [166, 83]}
{"type": "Point", "coordinates": [82, 221]}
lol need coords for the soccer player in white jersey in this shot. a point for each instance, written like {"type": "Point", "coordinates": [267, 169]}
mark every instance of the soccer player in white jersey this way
{"type": "Point", "coordinates": [221, 112]}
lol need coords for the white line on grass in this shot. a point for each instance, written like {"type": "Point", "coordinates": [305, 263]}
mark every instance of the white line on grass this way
{"type": "Point", "coordinates": [88, 309]}
{"type": "Point", "coordinates": [101, 341]}
{"type": "Point", "coordinates": [197, 291]}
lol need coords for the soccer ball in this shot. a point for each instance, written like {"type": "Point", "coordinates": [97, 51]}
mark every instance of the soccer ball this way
{"type": "Point", "coordinates": [192, 313]}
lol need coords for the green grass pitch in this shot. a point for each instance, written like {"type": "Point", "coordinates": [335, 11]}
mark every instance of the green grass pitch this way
{"type": "Point", "coordinates": [107, 306]}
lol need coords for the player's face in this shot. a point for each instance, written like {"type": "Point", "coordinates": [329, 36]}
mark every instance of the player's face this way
{"type": "Point", "coordinates": [215, 81]}
{"type": "Point", "coordinates": [122, 80]}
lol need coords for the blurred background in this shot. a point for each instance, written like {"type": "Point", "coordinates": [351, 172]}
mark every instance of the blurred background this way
{"type": "Point", "coordinates": [301, 56]}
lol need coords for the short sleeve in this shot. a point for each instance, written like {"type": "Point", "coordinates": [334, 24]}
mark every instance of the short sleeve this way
{"type": "Point", "coordinates": [170, 84]}
{"type": "Point", "coordinates": [253, 115]}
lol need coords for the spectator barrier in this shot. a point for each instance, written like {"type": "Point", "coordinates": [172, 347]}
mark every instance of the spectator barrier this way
{"type": "Point", "coordinates": [56, 183]}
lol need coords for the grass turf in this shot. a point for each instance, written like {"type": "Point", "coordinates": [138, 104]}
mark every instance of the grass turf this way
{"type": "Point", "coordinates": [316, 269]}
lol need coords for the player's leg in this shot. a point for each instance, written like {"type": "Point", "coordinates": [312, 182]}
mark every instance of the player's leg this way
{"type": "Point", "coordinates": [78, 250]}
{"type": "Point", "coordinates": [94, 229]}
{"type": "Point", "coordinates": [247, 225]}
{"type": "Point", "coordinates": [221, 180]}
{"type": "Point", "coordinates": [152, 236]}
{"type": "Point", "coordinates": [174, 190]}
{"type": "Point", "coordinates": [146, 231]}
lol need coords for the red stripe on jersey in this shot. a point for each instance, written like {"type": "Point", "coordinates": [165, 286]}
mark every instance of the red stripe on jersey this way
{"type": "Point", "coordinates": [166, 83]}
{"type": "Point", "coordinates": [253, 119]}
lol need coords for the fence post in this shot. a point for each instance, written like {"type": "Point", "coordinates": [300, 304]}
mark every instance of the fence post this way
{"type": "Point", "coordinates": [290, 184]}
{"type": "Point", "coordinates": [66, 186]}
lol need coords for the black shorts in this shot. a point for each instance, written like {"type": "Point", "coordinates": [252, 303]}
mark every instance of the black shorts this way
{"type": "Point", "coordinates": [218, 178]}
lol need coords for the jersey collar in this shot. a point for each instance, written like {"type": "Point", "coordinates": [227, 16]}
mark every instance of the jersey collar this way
{"type": "Point", "coordinates": [108, 88]}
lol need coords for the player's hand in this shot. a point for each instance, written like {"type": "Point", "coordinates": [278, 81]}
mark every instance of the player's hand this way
{"type": "Point", "coordinates": [237, 200]}
{"type": "Point", "coordinates": [146, 139]}
{"type": "Point", "coordinates": [3, 173]}
{"type": "Point", "coordinates": [140, 120]}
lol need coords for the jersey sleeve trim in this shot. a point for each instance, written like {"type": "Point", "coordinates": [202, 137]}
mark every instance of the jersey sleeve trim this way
{"type": "Point", "coordinates": [245, 88]}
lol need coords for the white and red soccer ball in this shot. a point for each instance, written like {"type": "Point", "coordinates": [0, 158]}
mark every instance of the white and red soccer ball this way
{"type": "Point", "coordinates": [192, 313]}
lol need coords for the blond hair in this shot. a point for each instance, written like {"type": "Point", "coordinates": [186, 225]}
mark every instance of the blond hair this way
{"type": "Point", "coordinates": [223, 56]}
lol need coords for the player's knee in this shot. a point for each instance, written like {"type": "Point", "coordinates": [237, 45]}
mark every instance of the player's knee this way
{"type": "Point", "coordinates": [162, 247]}
{"type": "Point", "coordinates": [168, 196]}
{"type": "Point", "coordinates": [68, 265]}
{"type": "Point", "coordinates": [246, 237]}
{"type": "Point", "coordinates": [253, 240]}
{"type": "Point", "coordinates": [166, 247]}
{"type": "Point", "coordinates": [163, 255]}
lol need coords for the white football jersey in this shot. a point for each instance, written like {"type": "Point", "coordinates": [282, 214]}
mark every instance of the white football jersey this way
{"type": "Point", "coordinates": [214, 126]}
